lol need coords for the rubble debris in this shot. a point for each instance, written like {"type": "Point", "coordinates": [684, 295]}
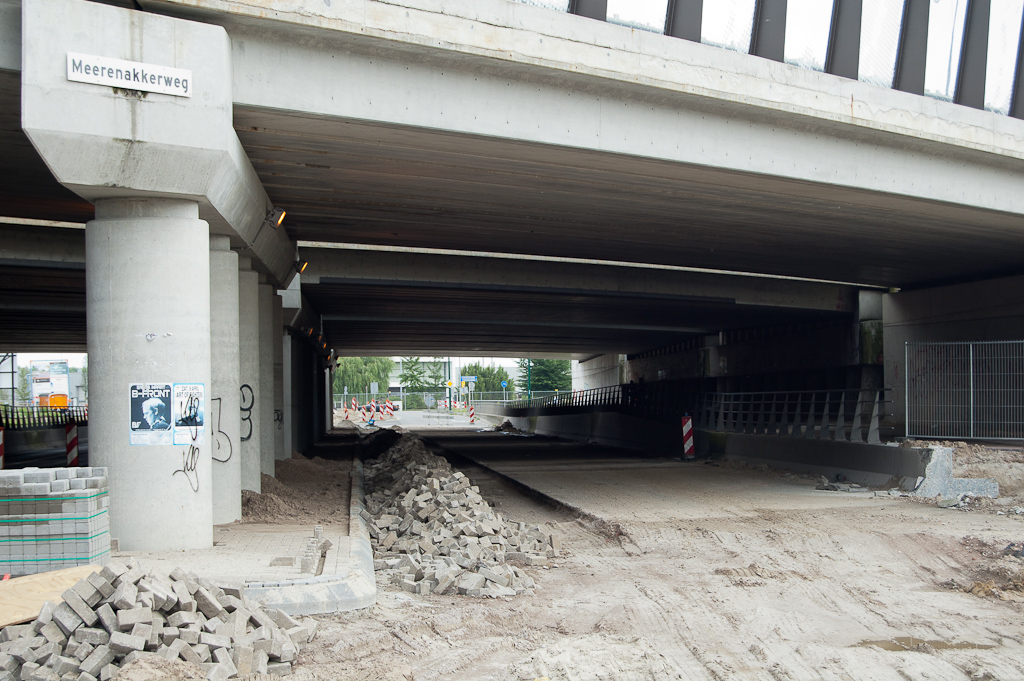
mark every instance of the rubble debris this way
{"type": "Point", "coordinates": [122, 614]}
{"type": "Point", "coordinates": [825, 484]}
{"type": "Point", "coordinates": [507, 427]}
{"type": "Point", "coordinates": [432, 532]}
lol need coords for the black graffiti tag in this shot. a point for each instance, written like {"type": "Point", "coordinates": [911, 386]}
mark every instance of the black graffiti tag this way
{"type": "Point", "coordinates": [221, 440]}
{"type": "Point", "coordinates": [246, 408]}
{"type": "Point", "coordinates": [190, 466]}
{"type": "Point", "coordinates": [190, 416]}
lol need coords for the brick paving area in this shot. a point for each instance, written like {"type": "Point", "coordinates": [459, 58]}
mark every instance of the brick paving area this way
{"type": "Point", "coordinates": [243, 553]}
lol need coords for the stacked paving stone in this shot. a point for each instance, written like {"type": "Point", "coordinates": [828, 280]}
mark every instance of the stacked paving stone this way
{"type": "Point", "coordinates": [432, 532]}
{"type": "Point", "coordinates": [53, 518]}
{"type": "Point", "coordinates": [121, 613]}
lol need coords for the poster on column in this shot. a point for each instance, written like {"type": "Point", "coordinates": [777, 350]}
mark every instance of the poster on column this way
{"type": "Point", "coordinates": [150, 414]}
{"type": "Point", "coordinates": [189, 406]}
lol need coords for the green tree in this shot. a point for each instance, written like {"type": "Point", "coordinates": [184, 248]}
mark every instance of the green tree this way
{"type": "Point", "coordinates": [547, 374]}
{"type": "Point", "coordinates": [436, 374]}
{"type": "Point", "coordinates": [489, 378]}
{"type": "Point", "coordinates": [414, 375]}
{"type": "Point", "coordinates": [357, 373]}
{"type": "Point", "coordinates": [23, 393]}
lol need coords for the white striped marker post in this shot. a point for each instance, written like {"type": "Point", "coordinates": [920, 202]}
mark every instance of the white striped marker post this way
{"type": "Point", "coordinates": [472, 414]}
{"type": "Point", "coordinates": [688, 438]}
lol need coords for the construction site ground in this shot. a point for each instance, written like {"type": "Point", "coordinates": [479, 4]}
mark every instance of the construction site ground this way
{"type": "Point", "coordinates": [676, 570]}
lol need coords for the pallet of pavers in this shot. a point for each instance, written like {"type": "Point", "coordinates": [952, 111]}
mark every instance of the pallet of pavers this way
{"type": "Point", "coordinates": [53, 518]}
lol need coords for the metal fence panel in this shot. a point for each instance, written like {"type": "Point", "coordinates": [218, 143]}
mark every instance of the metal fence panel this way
{"type": "Point", "coordinates": [972, 391]}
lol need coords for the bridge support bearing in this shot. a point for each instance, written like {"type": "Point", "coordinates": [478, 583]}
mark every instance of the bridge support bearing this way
{"type": "Point", "coordinates": [148, 303]}
{"type": "Point", "coordinates": [223, 407]}
{"type": "Point", "coordinates": [249, 374]}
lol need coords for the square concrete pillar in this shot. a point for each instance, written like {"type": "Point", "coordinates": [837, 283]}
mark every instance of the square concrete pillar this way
{"type": "Point", "coordinates": [249, 374]}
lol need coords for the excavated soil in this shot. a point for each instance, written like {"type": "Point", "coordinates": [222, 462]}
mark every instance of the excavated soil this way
{"type": "Point", "coordinates": [306, 492]}
{"type": "Point", "coordinates": [715, 574]}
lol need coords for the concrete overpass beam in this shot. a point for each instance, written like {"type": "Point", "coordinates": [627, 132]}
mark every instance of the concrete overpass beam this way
{"type": "Point", "coordinates": [149, 329]}
{"type": "Point", "coordinates": [223, 409]}
{"type": "Point", "coordinates": [250, 433]}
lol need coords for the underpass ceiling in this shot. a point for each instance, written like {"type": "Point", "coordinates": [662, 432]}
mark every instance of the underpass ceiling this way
{"type": "Point", "coordinates": [401, 318]}
{"type": "Point", "coordinates": [359, 182]}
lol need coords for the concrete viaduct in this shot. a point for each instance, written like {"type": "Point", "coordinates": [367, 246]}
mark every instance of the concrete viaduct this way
{"type": "Point", "coordinates": [477, 177]}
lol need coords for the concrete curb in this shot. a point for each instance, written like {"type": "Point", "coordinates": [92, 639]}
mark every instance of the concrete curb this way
{"type": "Point", "coordinates": [353, 589]}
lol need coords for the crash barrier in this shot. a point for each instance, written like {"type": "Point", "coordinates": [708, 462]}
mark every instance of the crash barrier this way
{"type": "Point", "coordinates": [27, 418]}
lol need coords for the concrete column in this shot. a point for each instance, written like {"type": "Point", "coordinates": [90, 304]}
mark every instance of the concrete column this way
{"type": "Point", "coordinates": [249, 374]}
{"type": "Point", "coordinates": [280, 450]}
{"type": "Point", "coordinates": [225, 448]}
{"type": "Point", "coordinates": [288, 424]}
{"type": "Point", "coordinates": [148, 303]}
{"type": "Point", "coordinates": [265, 393]}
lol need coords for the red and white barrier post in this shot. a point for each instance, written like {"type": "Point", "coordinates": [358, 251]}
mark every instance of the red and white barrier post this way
{"type": "Point", "coordinates": [688, 439]}
{"type": "Point", "coordinates": [472, 414]}
{"type": "Point", "coordinates": [71, 433]}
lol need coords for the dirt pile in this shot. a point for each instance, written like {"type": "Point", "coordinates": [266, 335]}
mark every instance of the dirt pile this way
{"type": "Point", "coordinates": [507, 427]}
{"type": "Point", "coordinates": [305, 492]}
{"type": "Point", "coordinates": [181, 627]}
{"type": "Point", "coordinates": [432, 532]}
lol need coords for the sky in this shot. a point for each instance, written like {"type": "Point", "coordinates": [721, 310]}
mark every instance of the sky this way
{"type": "Point", "coordinates": [75, 359]}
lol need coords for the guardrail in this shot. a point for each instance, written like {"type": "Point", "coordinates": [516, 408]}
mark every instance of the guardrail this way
{"type": "Point", "coordinates": [842, 415]}
{"type": "Point", "coordinates": [25, 418]}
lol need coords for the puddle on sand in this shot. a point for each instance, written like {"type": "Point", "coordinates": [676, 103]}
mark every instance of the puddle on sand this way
{"type": "Point", "coordinates": [901, 643]}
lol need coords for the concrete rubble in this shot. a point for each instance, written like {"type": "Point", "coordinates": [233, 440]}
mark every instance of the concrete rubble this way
{"type": "Point", "coordinates": [121, 614]}
{"type": "Point", "coordinates": [432, 532]}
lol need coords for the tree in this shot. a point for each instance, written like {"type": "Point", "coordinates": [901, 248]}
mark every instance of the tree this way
{"type": "Point", "coordinates": [24, 390]}
{"type": "Point", "coordinates": [489, 378]}
{"type": "Point", "coordinates": [357, 373]}
{"type": "Point", "coordinates": [413, 376]}
{"type": "Point", "coordinates": [547, 374]}
{"type": "Point", "coordinates": [436, 374]}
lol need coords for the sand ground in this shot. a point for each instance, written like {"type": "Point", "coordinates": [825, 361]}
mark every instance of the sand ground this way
{"type": "Point", "coordinates": [712, 572]}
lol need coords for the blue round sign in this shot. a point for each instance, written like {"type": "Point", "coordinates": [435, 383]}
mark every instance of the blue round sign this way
{"type": "Point", "coordinates": [504, 384]}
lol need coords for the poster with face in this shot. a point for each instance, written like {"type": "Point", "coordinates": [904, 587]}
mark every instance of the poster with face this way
{"type": "Point", "coordinates": [150, 422]}
{"type": "Point", "coordinates": [189, 411]}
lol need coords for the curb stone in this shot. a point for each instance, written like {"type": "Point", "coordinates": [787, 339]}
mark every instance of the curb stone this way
{"type": "Point", "coordinates": [352, 589]}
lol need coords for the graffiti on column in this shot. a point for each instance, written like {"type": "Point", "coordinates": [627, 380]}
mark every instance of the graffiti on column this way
{"type": "Point", "coordinates": [190, 466]}
{"type": "Point", "coordinates": [223, 449]}
{"type": "Point", "coordinates": [248, 400]}
{"type": "Point", "coordinates": [279, 418]}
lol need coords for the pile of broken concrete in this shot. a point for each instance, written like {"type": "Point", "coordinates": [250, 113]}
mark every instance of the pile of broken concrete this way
{"type": "Point", "coordinates": [432, 532]}
{"type": "Point", "coordinates": [121, 614]}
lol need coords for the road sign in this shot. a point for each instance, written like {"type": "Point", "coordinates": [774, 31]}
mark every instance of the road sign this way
{"type": "Point", "coordinates": [468, 379]}
{"type": "Point", "coordinates": [450, 384]}
{"type": "Point", "coordinates": [472, 386]}
{"type": "Point", "coordinates": [504, 384]}
{"type": "Point", "coordinates": [429, 400]}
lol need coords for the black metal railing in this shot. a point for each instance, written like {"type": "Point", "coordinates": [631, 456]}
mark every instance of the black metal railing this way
{"type": "Point", "coordinates": [25, 418]}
